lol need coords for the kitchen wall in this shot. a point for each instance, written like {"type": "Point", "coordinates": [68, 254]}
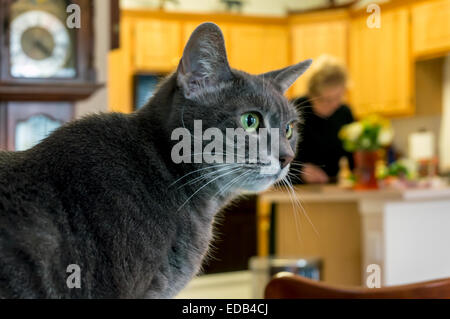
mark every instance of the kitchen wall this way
{"type": "Point", "coordinates": [405, 126]}
{"type": "Point", "coordinates": [99, 101]}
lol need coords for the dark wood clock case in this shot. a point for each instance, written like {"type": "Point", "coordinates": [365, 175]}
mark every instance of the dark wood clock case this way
{"type": "Point", "coordinates": [21, 98]}
{"type": "Point", "coordinates": [73, 89]}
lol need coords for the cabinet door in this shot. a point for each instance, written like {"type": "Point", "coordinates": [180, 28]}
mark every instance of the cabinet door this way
{"type": "Point", "coordinates": [257, 48]}
{"type": "Point", "coordinates": [157, 45]}
{"type": "Point", "coordinates": [431, 28]}
{"type": "Point", "coordinates": [275, 47]}
{"type": "Point", "coordinates": [27, 123]}
{"type": "Point", "coordinates": [310, 40]}
{"type": "Point", "coordinates": [380, 65]}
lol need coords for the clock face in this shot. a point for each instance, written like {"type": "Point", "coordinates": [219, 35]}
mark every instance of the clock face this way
{"type": "Point", "coordinates": [40, 46]}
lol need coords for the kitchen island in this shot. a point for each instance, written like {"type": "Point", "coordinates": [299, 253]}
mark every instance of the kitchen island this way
{"type": "Point", "coordinates": [405, 232]}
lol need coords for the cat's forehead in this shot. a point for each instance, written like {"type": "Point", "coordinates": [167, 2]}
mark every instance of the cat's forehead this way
{"type": "Point", "coordinates": [267, 98]}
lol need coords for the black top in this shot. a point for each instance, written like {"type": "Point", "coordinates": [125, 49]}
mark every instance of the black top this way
{"type": "Point", "coordinates": [319, 142]}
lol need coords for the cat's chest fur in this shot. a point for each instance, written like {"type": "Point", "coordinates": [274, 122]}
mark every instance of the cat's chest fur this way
{"type": "Point", "coordinates": [185, 254]}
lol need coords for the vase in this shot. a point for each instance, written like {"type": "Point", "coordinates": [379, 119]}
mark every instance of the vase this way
{"type": "Point", "coordinates": [365, 163]}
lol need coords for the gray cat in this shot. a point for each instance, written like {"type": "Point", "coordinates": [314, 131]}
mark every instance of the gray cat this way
{"type": "Point", "coordinates": [104, 194]}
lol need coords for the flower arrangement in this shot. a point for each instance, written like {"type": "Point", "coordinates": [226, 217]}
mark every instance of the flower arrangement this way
{"type": "Point", "coordinates": [369, 134]}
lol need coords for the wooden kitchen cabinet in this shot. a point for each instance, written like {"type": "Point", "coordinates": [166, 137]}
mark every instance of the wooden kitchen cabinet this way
{"type": "Point", "coordinates": [431, 28]}
{"type": "Point", "coordinates": [258, 48]}
{"type": "Point", "coordinates": [381, 65]}
{"type": "Point", "coordinates": [157, 45]}
{"type": "Point", "coordinates": [312, 38]}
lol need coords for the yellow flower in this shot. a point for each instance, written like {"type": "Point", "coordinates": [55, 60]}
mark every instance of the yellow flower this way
{"type": "Point", "coordinates": [343, 132]}
{"type": "Point", "coordinates": [385, 136]}
{"type": "Point", "coordinates": [373, 119]}
{"type": "Point", "coordinates": [353, 131]}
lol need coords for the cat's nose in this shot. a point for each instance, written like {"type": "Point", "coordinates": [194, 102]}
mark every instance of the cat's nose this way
{"type": "Point", "coordinates": [286, 159]}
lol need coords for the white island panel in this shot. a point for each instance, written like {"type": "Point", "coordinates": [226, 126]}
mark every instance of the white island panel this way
{"type": "Point", "coordinates": [416, 241]}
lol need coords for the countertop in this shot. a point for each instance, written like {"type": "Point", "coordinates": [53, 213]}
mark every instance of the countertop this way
{"type": "Point", "coordinates": [332, 193]}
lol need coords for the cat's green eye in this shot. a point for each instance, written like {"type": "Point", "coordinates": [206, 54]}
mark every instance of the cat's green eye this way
{"type": "Point", "coordinates": [289, 130]}
{"type": "Point", "coordinates": [250, 122]}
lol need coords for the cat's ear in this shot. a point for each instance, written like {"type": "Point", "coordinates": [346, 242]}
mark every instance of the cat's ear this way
{"type": "Point", "coordinates": [285, 77]}
{"type": "Point", "coordinates": [204, 64]}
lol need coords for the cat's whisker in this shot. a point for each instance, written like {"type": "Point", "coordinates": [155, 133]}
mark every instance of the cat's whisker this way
{"type": "Point", "coordinates": [197, 170]}
{"type": "Point", "coordinates": [295, 170]}
{"type": "Point", "coordinates": [247, 178]}
{"type": "Point", "coordinates": [294, 210]}
{"type": "Point", "coordinates": [233, 181]}
{"type": "Point", "coordinates": [307, 102]}
{"type": "Point", "coordinates": [210, 153]}
{"type": "Point", "coordinates": [294, 176]}
{"type": "Point", "coordinates": [301, 207]}
{"type": "Point", "coordinates": [295, 163]}
{"type": "Point", "coordinates": [304, 173]}
{"type": "Point", "coordinates": [216, 178]}
{"type": "Point", "coordinates": [204, 176]}
{"type": "Point", "coordinates": [297, 173]}
{"type": "Point", "coordinates": [298, 208]}
{"type": "Point", "coordinates": [224, 159]}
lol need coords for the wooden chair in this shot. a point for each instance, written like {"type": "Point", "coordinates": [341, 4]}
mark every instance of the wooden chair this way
{"type": "Point", "coordinates": [289, 286]}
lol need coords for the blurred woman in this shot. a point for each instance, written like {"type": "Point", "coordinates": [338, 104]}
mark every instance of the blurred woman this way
{"type": "Point", "coordinates": [323, 113]}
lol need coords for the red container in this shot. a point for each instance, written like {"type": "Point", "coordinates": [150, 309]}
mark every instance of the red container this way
{"type": "Point", "coordinates": [365, 163]}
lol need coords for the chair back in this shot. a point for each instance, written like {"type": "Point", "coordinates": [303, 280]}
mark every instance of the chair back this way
{"type": "Point", "coordinates": [290, 286]}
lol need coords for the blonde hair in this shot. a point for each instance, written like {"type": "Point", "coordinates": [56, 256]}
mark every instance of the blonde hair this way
{"type": "Point", "coordinates": [326, 71]}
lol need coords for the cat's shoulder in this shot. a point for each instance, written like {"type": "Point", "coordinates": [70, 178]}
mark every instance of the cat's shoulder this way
{"type": "Point", "coordinates": [95, 127]}
{"type": "Point", "coordinates": [101, 120]}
